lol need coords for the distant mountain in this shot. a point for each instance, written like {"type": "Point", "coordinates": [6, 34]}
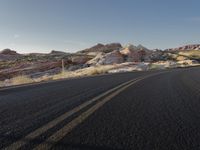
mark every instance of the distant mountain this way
{"type": "Point", "coordinates": [8, 54]}
{"type": "Point", "coordinates": [54, 52]}
{"type": "Point", "coordinates": [186, 47]}
{"type": "Point", "coordinates": [102, 48]}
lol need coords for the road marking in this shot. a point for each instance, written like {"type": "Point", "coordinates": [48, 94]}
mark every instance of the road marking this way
{"type": "Point", "coordinates": [57, 136]}
{"type": "Point", "coordinates": [66, 129]}
{"type": "Point", "coordinates": [18, 144]}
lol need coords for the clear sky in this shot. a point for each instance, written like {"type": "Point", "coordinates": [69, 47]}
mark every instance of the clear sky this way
{"type": "Point", "coordinates": [71, 25]}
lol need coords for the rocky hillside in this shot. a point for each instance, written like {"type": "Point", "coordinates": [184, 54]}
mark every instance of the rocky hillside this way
{"type": "Point", "coordinates": [128, 53]}
{"type": "Point", "coordinates": [8, 54]}
{"type": "Point", "coordinates": [36, 64]}
{"type": "Point", "coordinates": [102, 48]}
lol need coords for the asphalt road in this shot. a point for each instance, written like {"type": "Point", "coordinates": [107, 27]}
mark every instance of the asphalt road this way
{"type": "Point", "coordinates": [143, 110]}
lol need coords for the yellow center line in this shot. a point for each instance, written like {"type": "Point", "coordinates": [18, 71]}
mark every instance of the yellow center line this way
{"type": "Point", "coordinates": [18, 144]}
{"type": "Point", "coordinates": [60, 134]}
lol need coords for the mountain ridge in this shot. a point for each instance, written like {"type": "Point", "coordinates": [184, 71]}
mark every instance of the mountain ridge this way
{"type": "Point", "coordinates": [108, 48]}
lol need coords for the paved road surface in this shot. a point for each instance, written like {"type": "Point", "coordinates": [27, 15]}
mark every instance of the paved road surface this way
{"type": "Point", "coordinates": [144, 110]}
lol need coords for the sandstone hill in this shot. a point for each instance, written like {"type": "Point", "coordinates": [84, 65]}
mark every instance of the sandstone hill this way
{"type": "Point", "coordinates": [37, 65]}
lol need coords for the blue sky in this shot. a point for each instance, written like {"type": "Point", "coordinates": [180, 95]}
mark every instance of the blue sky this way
{"type": "Point", "coordinates": [71, 25]}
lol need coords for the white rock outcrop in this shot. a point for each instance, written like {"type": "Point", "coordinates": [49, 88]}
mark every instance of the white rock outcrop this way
{"type": "Point", "coordinates": [114, 57]}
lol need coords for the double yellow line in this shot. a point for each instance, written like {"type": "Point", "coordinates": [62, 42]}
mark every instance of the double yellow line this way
{"type": "Point", "coordinates": [57, 136]}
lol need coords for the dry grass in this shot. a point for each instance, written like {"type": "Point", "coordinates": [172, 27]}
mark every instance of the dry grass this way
{"type": "Point", "coordinates": [2, 84]}
{"type": "Point", "coordinates": [63, 75]}
{"type": "Point", "coordinates": [95, 70]}
{"type": "Point", "coordinates": [21, 80]}
{"type": "Point", "coordinates": [43, 78]}
{"type": "Point", "coordinates": [83, 72]}
{"type": "Point", "coordinates": [191, 54]}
